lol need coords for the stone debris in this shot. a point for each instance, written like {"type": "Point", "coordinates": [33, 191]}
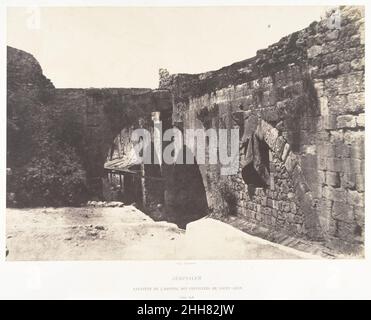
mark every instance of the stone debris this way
{"type": "Point", "coordinates": [105, 204]}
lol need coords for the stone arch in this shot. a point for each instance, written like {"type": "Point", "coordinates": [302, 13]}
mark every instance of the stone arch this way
{"type": "Point", "coordinates": [107, 113]}
{"type": "Point", "coordinates": [281, 149]}
{"type": "Point", "coordinates": [146, 178]}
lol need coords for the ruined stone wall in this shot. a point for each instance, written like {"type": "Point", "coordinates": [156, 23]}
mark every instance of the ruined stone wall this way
{"type": "Point", "coordinates": [44, 167]}
{"type": "Point", "coordinates": [307, 92]}
{"type": "Point", "coordinates": [27, 90]}
{"type": "Point", "coordinates": [79, 123]}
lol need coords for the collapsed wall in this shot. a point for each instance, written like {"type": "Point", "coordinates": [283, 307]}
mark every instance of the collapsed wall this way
{"type": "Point", "coordinates": [303, 97]}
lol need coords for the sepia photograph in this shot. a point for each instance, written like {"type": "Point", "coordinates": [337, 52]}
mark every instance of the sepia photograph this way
{"type": "Point", "coordinates": [185, 133]}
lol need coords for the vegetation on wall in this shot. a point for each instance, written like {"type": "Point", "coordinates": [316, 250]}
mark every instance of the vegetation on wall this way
{"type": "Point", "coordinates": [42, 148]}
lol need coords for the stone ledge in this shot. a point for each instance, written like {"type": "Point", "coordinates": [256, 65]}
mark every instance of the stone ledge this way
{"type": "Point", "coordinates": [312, 247]}
{"type": "Point", "coordinates": [208, 238]}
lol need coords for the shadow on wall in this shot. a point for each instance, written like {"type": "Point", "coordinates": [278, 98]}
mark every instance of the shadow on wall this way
{"type": "Point", "coordinates": [174, 193]}
{"type": "Point", "coordinates": [185, 194]}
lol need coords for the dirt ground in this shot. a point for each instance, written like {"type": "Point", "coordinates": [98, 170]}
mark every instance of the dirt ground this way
{"type": "Point", "coordinates": [123, 234]}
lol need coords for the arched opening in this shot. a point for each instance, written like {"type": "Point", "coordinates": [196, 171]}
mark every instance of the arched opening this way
{"type": "Point", "coordinates": [121, 180]}
{"type": "Point", "coordinates": [171, 192]}
{"type": "Point", "coordinates": [130, 181]}
{"type": "Point", "coordinates": [255, 170]}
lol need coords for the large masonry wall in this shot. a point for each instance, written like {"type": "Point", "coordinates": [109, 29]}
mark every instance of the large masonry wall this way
{"type": "Point", "coordinates": [306, 93]}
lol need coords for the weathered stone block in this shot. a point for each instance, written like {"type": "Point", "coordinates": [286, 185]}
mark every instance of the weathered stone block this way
{"type": "Point", "coordinates": [315, 39]}
{"type": "Point", "coordinates": [355, 198]}
{"type": "Point", "coordinates": [270, 203]}
{"type": "Point", "coordinates": [280, 143]}
{"type": "Point", "coordinates": [353, 166]}
{"type": "Point", "coordinates": [291, 161]}
{"type": "Point", "coordinates": [360, 182]}
{"type": "Point", "coordinates": [337, 104]}
{"type": "Point", "coordinates": [348, 181]}
{"type": "Point", "coordinates": [264, 201]}
{"type": "Point", "coordinates": [346, 121]}
{"type": "Point", "coordinates": [330, 47]}
{"type": "Point", "coordinates": [271, 137]}
{"type": "Point", "coordinates": [324, 106]}
{"type": "Point", "coordinates": [331, 87]}
{"type": "Point", "coordinates": [333, 179]}
{"type": "Point", "coordinates": [355, 102]}
{"type": "Point", "coordinates": [275, 204]}
{"type": "Point", "coordinates": [324, 212]}
{"type": "Point", "coordinates": [251, 214]}
{"type": "Point", "coordinates": [290, 195]}
{"type": "Point", "coordinates": [285, 152]}
{"type": "Point", "coordinates": [342, 150]}
{"type": "Point", "coordinates": [268, 211]}
{"type": "Point", "coordinates": [319, 87]}
{"type": "Point", "coordinates": [332, 226]}
{"type": "Point", "coordinates": [342, 211]}
{"type": "Point", "coordinates": [345, 230]}
{"type": "Point", "coordinates": [274, 213]}
{"type": "Point", "coordinates": [357, 150]}
{"type": "Point", "coordinates": [284, 189]}
{"type": "Point", "coordinates": [332, 35]}
{"type": "Point", "coordinates": [334, 164]}
{"type": "Point", "coordinates": [293, 207]}
{"type": "Point", "coordinates": [321, 176]}
{"type": "Point", "coordinates": [359, 215]}
{"type": "Point", "coordinates": [309, 149]}
{"type": "Point", "coordinates": [258, 208]}
{"type": "Point", "coordinates": [353, 13]}
{"type": "Point", "coordinates": [314, 51]}
{"type": "Point", "coordinates": [337, 136]}
{"type": "Point", "coordinates": [326, 150]}
{"type": "Point", "coordinates": [330, 71]}
{"type": "Point", "coordinates": [258, 216]}
{"type": "Point", "coordinates": [344, 67]}
{"type": "Point", "coordinates": [334, 194]}
{"type": "Point", "coordinates": [329, 122]}
{"type": "Point", "coordinates": [322, 163]}
{"type": "Point", "coordinates": [352, 137]}
{"type": "Point", "coordinates": [297, 175]}
{"type": "Point", "coordinates": [350, 83]}
{"type": "Point", "coordinates": [354, 41]}
{"type": "Point", "coordinates": [358, 64]}
{"type": "Point", "coordinates": [286, 206]}
{"type": "Point", "coordinates": [271, 114]}
{"type": "Point", "coordinates": [350, 53]}
{"type": "Point", "coordinates": [242, 89]}
{"type": "Point", "coordinates": [302, 190]}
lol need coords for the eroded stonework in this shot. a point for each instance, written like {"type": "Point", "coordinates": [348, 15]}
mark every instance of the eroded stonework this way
{"type": "Point", "coordinates": [309, 90]}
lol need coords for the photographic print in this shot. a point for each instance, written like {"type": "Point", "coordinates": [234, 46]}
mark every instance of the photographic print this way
{"type": "Point", "coordinates": [185, 133]}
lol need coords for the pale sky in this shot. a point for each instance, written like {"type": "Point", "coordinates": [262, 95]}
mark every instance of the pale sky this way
{"type": "Point", "coordinates": [81, 47]}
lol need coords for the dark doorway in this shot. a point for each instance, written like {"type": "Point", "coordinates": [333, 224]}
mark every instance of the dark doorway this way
{"type": "Point", "coordinates": [256, 172]}
{"type": "Point", "coordinates": [185, 192]}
